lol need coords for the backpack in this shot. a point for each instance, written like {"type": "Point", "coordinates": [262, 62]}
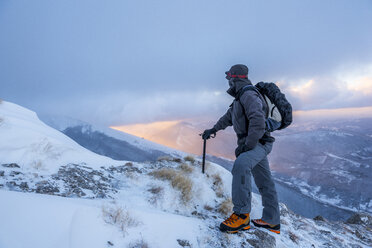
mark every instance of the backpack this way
{"type": "Point", "coordinates": [279, 111]}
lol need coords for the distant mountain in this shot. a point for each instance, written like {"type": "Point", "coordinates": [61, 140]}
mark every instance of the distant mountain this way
{"type": "Point", "coordinates": [109, 142]}
{"type": "Point", "coordinates": [184, 136]}
{"type": "Point", "coordinates": [329, 161]}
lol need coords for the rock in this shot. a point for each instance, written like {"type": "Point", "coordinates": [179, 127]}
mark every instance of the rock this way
{"type": "Point", "coordinates": [15, 173]}
{"type": "Point", "coordinates": [177, 160]}
{"type": "Point", "coordinates": [46, 187]}
{"type": "Point", "coordinates": [319, 218]}
{"type": "Point", "coordinates": [1, 173]}
{"type": "Point", "coordinates": [11, 184]}
{"type": "Point", "coordinates": [124, 169]}
{"type": "Point", "coordinates": [24, 186]}
{"type": "Point", "coordinates": [183, 243]}
{"type": "Point", "coordinates": [326, 233]}
{"type": "Point", "coordinates": [360, 219]}
{"type": "Point", "coordinates": [264, 240]}
{"type": "Point", "coordinates": [12, 165]}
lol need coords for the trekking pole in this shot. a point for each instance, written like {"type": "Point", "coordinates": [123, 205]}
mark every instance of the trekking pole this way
{"type": "Point", "coordinates": [204, 149]}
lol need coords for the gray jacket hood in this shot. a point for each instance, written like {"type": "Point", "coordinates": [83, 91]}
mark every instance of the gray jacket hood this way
{"type": "Point", "coordinates": [237, 86]}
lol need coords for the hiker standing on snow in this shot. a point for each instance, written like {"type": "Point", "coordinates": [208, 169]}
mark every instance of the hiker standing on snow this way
{"type": "Point", "coordinates": [247, 115]}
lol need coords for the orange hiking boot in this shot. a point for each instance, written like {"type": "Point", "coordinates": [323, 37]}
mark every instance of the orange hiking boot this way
{"type": "Point", "coordinates": [261, 223]}
{"type": "Point", "coordinates": [235, 223]}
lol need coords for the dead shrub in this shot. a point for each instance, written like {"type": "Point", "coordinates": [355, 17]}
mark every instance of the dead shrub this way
{"type": "Point", "coordinates": [130, 164]}
{"type": "Point", "coordinates": [118, 216]}
{"type": "Point", "coordinates": [177, 179]}
{"type": "Point", "coordinates": [38, 165]}
{"type": "Point", "coordinates": [156, 191]}
{"type": "Point", "coordinates": [208, 208]}
{"type": "Point", "coordinates": [138, 244]}
{"type": "Point", "coordinates": [190, 159]}
{"type": "Point", "coordinates": [225, 207]}
{"type": "Point", "coordinates": [186, 168]}
{"type": "Point", "coordinates": [293, 237]}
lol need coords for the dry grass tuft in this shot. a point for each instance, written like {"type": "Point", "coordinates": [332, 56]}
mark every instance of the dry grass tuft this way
{"type": "Point", "coordinates": [186, 168]}
{"type": "Point", "coordinates": [217, 180]}
{"type": "Point", "coordinates": [116, 215]}
{"type": "Point", "coordinates": [226, 207]}
{"type": "Point", "coordinates": [190, 159]}
{"type": "Point", "coordinates": [218, 185]}
{"type": "Point", "coordinates": [165, 159]}
{"type": "Point", "coordinates": [178, 180]}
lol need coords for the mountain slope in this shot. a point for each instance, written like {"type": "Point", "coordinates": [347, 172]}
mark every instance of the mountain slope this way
{"type": "Point", "coordinates": [165, 203]}
{"type": "Point", "coordinates": [31, 144]}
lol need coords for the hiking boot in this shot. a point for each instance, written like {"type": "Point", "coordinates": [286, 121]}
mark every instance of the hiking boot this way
{"type": "Point", "coordinates": [235, 223]}
{"type": "Point", "coordinates": [261, 223]}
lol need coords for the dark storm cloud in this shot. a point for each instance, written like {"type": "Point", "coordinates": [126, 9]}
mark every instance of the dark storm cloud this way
{"type": "Point", "coordinates": [79, 56]}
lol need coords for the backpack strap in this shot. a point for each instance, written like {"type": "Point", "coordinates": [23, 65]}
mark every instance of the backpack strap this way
{"type": "Point", "coordinates": [244, 89]}
{"type": "Point", "coordinates": [252, 87]}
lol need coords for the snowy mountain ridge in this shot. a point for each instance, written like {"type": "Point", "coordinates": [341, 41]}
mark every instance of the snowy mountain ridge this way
{"type": "Point", "coordinates": [87, 200]}
{"type": "Point", "coordinates": [113, 143]}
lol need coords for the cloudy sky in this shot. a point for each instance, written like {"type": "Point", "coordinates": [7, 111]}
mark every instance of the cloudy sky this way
{"type": "Point", "coordinates": [125, 62]}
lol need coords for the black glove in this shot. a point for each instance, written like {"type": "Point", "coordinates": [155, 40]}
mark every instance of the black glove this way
{"type": "Point", "coordinates": [240, 149]}
{"type": "Point", "coordinates": [208, 132]}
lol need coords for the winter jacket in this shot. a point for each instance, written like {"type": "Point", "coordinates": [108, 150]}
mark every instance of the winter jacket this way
{"type": "Point", "coordinates": [249, 126]}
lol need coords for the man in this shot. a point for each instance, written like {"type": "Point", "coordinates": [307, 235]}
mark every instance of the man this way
{"type": "Point", "coordinates": [247, 115]}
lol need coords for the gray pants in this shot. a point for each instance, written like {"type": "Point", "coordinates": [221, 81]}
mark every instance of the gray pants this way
{"type": "Point", "coordinates": [254, 162]}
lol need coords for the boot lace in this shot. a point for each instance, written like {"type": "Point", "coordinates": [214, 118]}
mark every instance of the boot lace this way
{"type": "Point", "coordinates": [232, 219]}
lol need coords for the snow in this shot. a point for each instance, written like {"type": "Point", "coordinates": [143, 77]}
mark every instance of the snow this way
{"type": "Point", "coordinates": [345, 159]}
{"type": "Point", "coordinates": [66, 222]}
{"type": "Point", "coordinates": [30, 143]}
{"type": "Point", "coordinates": [49, 221]}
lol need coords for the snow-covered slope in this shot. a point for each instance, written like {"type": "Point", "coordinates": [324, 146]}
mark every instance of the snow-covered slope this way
{"type": "Point", "coordinates": [31, 144]}
{"type": "Point", "coordinates": [107, 203]}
